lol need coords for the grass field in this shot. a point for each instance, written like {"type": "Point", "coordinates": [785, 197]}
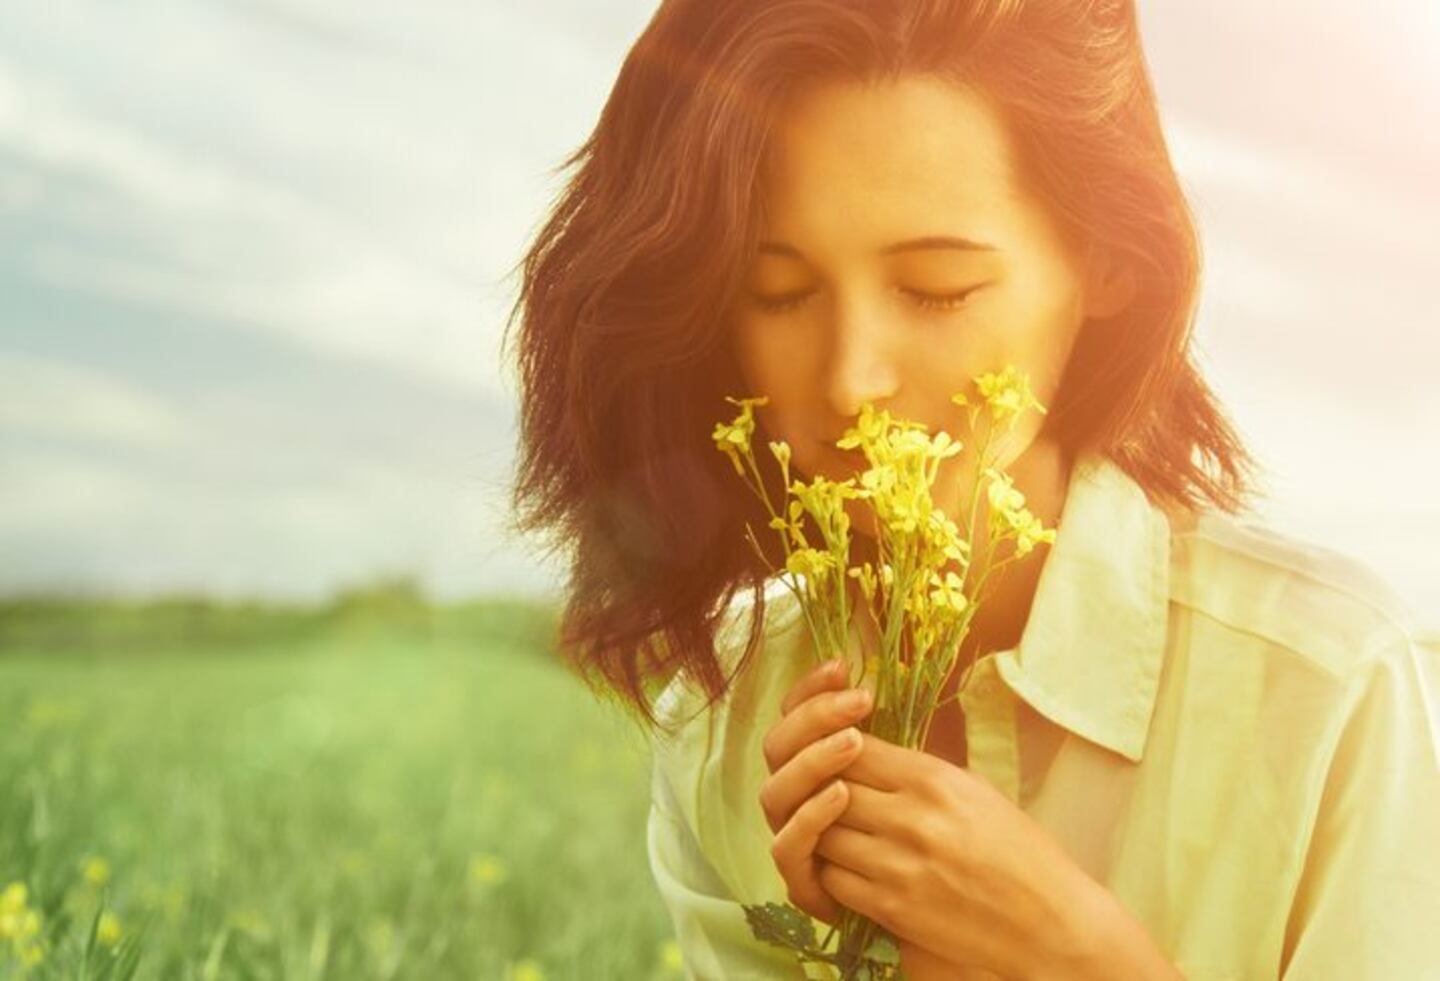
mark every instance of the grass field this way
{"type": "Point", "coordinates": [340, 806]}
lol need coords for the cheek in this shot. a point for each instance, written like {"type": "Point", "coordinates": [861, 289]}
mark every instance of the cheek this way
{"type": "Point", "coordinates": [1035, 329]}
{"type": "Point", "coordinates": [774, 359]}
{"type": "Point", "coordinates": [772, 366]}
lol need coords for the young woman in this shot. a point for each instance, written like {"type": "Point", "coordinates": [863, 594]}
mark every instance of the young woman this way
{"type": "Point", "coordinates": [1190, 747]}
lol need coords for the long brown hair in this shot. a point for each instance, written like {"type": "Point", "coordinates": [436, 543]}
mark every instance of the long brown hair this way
{"type": "Point", "coordinates": [624, 356]}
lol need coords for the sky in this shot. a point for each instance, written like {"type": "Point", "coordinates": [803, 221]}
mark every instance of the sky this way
{"type": "Point", "coordinates": [254, 258]}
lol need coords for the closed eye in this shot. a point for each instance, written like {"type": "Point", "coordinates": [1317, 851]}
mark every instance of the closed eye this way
{"type": "Point", "coordinates": [784, 302]}
{"type": "Point", "coordinates": [941, 301]}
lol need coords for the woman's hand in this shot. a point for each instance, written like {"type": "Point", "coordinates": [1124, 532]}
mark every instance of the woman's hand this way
{"type": "Point", "coordinates": [955, 870]}
{"type": "Point", "coordinates": [801, 759]}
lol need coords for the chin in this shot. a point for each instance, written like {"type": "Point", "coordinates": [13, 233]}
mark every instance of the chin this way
{"type": "Point", "coordinates": [831, 460]}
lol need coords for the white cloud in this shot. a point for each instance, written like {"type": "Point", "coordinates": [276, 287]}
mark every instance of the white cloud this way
{"type": "Point", "coordinates": [241, 248]}
{"type": "Point", "coordinates": [51, 398]}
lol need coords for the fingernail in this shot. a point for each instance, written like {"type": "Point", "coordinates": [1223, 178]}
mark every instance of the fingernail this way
{"type": "Point", "coordinates": [856, 698]}
{"type": "Point", "coordinates": [845, 738]}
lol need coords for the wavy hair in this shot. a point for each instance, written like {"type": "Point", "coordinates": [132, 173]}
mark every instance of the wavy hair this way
{"type": "Point", "coordinates": [623, 346]}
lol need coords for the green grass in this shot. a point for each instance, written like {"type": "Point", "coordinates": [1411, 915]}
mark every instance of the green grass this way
{"type": "Point", "coordinates": [343, 807]}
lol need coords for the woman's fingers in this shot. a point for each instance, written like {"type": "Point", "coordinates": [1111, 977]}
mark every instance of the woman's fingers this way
{"type": "Point", "coordinates": [831, 674]}
{"type": "Point", "coordinates": [815, 718]}
{"type": "Point", "coordinates": [794, 851]}
{"type": "Point", "coordinates": [786, 789]}
{"type": "Point", "coordinates": [815, 739]}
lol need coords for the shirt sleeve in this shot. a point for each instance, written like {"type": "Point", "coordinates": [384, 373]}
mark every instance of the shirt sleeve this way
{"type": "Point", "coordinates": [710, 926]}
{"type": "Point", "coordinates": [1368, 903]}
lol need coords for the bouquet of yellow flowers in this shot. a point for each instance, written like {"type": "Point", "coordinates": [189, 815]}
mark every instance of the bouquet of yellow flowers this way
{"type": "Point", "coordinates": [920, 605]}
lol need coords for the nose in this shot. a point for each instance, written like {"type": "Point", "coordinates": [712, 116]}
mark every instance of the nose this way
{"type": "Point", "coordinates": [862, 369]}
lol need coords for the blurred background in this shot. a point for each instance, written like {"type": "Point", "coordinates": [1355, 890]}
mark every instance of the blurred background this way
{"type": "Point", "coordinates": [269, 661]}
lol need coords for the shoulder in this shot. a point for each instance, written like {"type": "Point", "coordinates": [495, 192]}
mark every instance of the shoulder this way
{"type": "Point", "coordinates": [714, 753]}
{"type": "Point", "coordinates": [679, 699]}
{"type": "Point", "coordinates": [1324, 608]}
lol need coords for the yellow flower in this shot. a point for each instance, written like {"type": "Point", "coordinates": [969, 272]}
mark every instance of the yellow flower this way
{"type": "Point", "coordinates": [733, 438]}
{"type": "Point", "coordinates": [942, 446]}
{"type": "Point", "coordinates": [20, 925]}
{"type": "Point", "coordinates": [947, 593]}
{"type": "Point", "coordinates": [813, 564]}
{"type": "Point", "coordinates": [792, 526]}
{"type": "Point", "coordinates": [869, 429]}
{"type": "Point", "coordinates": [944, 539]}
{"type": "Point", "coordinates": [1009, 515]}
{"type": "Point", "coordinates": [525, 970]}
{"type": "Point", "coordinates": [781, 451]}
{"type": "Point", "coordinates": [108, 931]}
{"type": "Point", "coordinates": [12, 900]}
{"type": "Point", "coordinates": [1031, 532]}
{"type": "Point", "coordinates": [30, 955]}
{"type": "Point", "coordinates": [486, 870]}
{"type": "Point", "coordinates": [824, 500]}
{"type": "Point", "coordinates": [1004, 496]}
{"type": "Point", "coordinates": [96, 870]}
{"type": "Point", "coordinates": [1008, 394]}
{"type": "Point", "coordinates": [670, 956]}
{"type": "Point", "coordinates": [865, 574]}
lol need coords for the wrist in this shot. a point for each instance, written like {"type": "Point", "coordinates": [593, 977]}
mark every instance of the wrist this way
{"type": "Point", "coordinates": [1101, 941]}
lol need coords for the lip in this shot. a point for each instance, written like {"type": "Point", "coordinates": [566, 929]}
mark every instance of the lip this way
{"type": "Point", "coordinates": [852, 458]}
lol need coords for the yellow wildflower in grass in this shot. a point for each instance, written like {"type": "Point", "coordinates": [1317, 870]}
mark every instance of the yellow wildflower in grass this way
{"type": "Point", "coordinates": [14, 897]}
{"type": "Point", "coordinates": [524, 970]}
{"type": "Point", "coordinates": [20, 925]}
{"type": "Point", "coordinates": [671, 959]}
{"type": "Point", "coordinates": [108, 931]}
{"type": "Point", "coordinates": [486, 870]}
{"type": "Point", "coordinates": [95, 870]}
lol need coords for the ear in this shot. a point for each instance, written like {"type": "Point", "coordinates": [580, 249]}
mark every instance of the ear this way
{"type": "Point", "coordinates": [1110, 285]}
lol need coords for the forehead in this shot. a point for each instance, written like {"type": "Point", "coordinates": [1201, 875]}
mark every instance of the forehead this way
{"type": "Point", "coordinates": [851, 155]}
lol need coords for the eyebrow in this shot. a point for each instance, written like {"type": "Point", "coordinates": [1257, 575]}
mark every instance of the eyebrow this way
{"type": "Point", "coordinates": [928, 242]}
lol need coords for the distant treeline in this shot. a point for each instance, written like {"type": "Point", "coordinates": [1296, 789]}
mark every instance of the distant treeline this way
{"type": "Point", "coordinates": [395, 606]}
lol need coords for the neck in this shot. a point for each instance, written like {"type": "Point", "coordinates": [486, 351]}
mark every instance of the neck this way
{"type": "Point", "coordinates": [1042, 474]}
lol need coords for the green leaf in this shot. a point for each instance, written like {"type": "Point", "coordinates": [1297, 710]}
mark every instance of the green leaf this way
{"type": "Point", "coordinates": [783, 926]}
{"type": "Point", "coordinates": [884, 950]}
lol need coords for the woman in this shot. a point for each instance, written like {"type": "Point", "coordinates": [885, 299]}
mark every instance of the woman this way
{"type": "Point", "coordinates": [1191, 747]}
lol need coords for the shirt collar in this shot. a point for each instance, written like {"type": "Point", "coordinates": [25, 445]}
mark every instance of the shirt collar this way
{"type": "Point", "coordinates": [1090, 654]}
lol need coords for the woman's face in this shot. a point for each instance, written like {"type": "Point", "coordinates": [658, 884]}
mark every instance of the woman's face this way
{"type": "Point", "coordinates": [898, 260]}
